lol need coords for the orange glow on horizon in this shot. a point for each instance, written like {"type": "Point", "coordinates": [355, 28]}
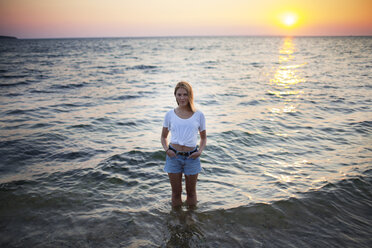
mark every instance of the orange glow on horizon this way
{"type": "Point", "coordinates": [96, 18]}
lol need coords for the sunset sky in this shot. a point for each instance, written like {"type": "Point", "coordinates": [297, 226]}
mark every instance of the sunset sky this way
{"type": "Point", "coordinates": [122, 18]}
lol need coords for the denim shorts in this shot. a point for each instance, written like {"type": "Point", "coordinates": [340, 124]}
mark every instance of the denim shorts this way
{"type": "Point", "coordinates": [182, 164]}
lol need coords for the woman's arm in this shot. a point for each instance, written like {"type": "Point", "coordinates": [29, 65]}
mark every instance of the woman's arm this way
{"type": "Point", "coordinates": [203, 140]}
{"type": "Point", "coordinates": [203, 143]}
{"type": "Point", "coordinates": [164, 142]}
{"type": "Point", "coordinates": [163, 139]}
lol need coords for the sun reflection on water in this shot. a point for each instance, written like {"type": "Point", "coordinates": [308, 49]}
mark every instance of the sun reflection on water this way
{"type": "Point", "coordinates": [286, 50]}
{"type": "Point", "coordinates": [285, 79]}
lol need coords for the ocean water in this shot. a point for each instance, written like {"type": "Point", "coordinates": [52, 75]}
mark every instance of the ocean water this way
{"type": "Point", "coordinates": [288, 161]}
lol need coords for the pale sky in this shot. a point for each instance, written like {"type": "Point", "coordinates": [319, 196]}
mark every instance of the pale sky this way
{"type": "Point", "coordinates": [126, 18]}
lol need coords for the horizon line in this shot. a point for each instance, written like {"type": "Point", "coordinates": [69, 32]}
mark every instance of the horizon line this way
{"type": "Point", "coordinates": [179, 36]}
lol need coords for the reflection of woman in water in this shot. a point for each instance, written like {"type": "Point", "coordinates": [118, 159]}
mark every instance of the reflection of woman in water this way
{"type": "Point", "coordinates": [182, 154]}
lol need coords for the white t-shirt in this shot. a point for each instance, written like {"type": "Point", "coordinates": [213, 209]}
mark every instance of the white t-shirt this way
{"type": "Point", "coordinates": [184, 132]}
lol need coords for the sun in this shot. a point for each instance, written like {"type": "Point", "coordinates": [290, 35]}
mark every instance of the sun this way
{"type": "Point", "coordinates": [289, 19]}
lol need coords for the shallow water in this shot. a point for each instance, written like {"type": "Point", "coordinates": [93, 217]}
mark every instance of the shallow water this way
{"type": "Point", "coordinates": [288, 160]}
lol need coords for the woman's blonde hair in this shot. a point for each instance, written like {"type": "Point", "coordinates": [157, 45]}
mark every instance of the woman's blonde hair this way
{"type": "Point", "coordinates": [190, 94]}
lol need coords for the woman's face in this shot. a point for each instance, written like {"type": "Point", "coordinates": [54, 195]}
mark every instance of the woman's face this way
{"type": "Point", "coordinates": [182, 97]}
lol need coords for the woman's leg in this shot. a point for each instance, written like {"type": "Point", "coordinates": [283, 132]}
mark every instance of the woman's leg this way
{"type": "Point", "coordinates": [176, 183]}
{"type": "Point", "coordinates": [191, 189]}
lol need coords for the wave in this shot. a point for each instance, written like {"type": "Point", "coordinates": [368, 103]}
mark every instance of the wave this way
{"type": "Point", "coordinates": [41, 92]}
{"type": "Point", "coordinates": [252, 103]}
{"type": "Point", "coordinates": [13, 94]}
{"type": "Point", "coordinates": [134, 159]}
{"type": "Point", "coordinates": [81, 155]}
{"type": "Point", "coordinates": [128, 123]}
{"type": "Point", "coordinates": [18, 153]}
{"type": "Point", "coordinates": [123, 97]}
{"type": "Point", "coordinates": [18, 112]}
{"type": "Point", "coordinates": [364, 127]}
{"type": "Point", "coordinates": [69, 86]}
{"type": "Point", "coordinates": [13, 84]}
{"type": "Point", "coordinates": [142, 67]}
{"type": "Point", "coordinates": [14, 76]}
{"type": "Point", "coordinates": [337, 215]}
{"type": "Point", "coordinates": [245, 138]}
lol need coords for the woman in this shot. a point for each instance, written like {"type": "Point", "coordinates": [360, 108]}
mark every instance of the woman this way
{"type": "Point", "coordinates": [182, 154]}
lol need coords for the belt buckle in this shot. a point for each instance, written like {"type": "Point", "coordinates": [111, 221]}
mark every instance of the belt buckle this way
{"type": "Point", "coordinates": [182, 153]}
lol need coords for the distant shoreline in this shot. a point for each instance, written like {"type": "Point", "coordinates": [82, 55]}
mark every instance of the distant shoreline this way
{"type": "Point", "coordinates": [2, 37]}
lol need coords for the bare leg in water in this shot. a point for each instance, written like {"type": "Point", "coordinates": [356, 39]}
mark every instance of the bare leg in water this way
{"type": "Point", "coordinates": [191, 189]}
{"type": "Point", "coordinates": [176, 183]}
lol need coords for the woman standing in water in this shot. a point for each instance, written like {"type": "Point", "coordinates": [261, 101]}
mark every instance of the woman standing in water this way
{"type": "Point", "coordinates": [182, 154]}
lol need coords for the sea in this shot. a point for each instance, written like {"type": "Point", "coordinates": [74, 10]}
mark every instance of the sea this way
{"type": "Point", "coordinates": [288, 161]}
